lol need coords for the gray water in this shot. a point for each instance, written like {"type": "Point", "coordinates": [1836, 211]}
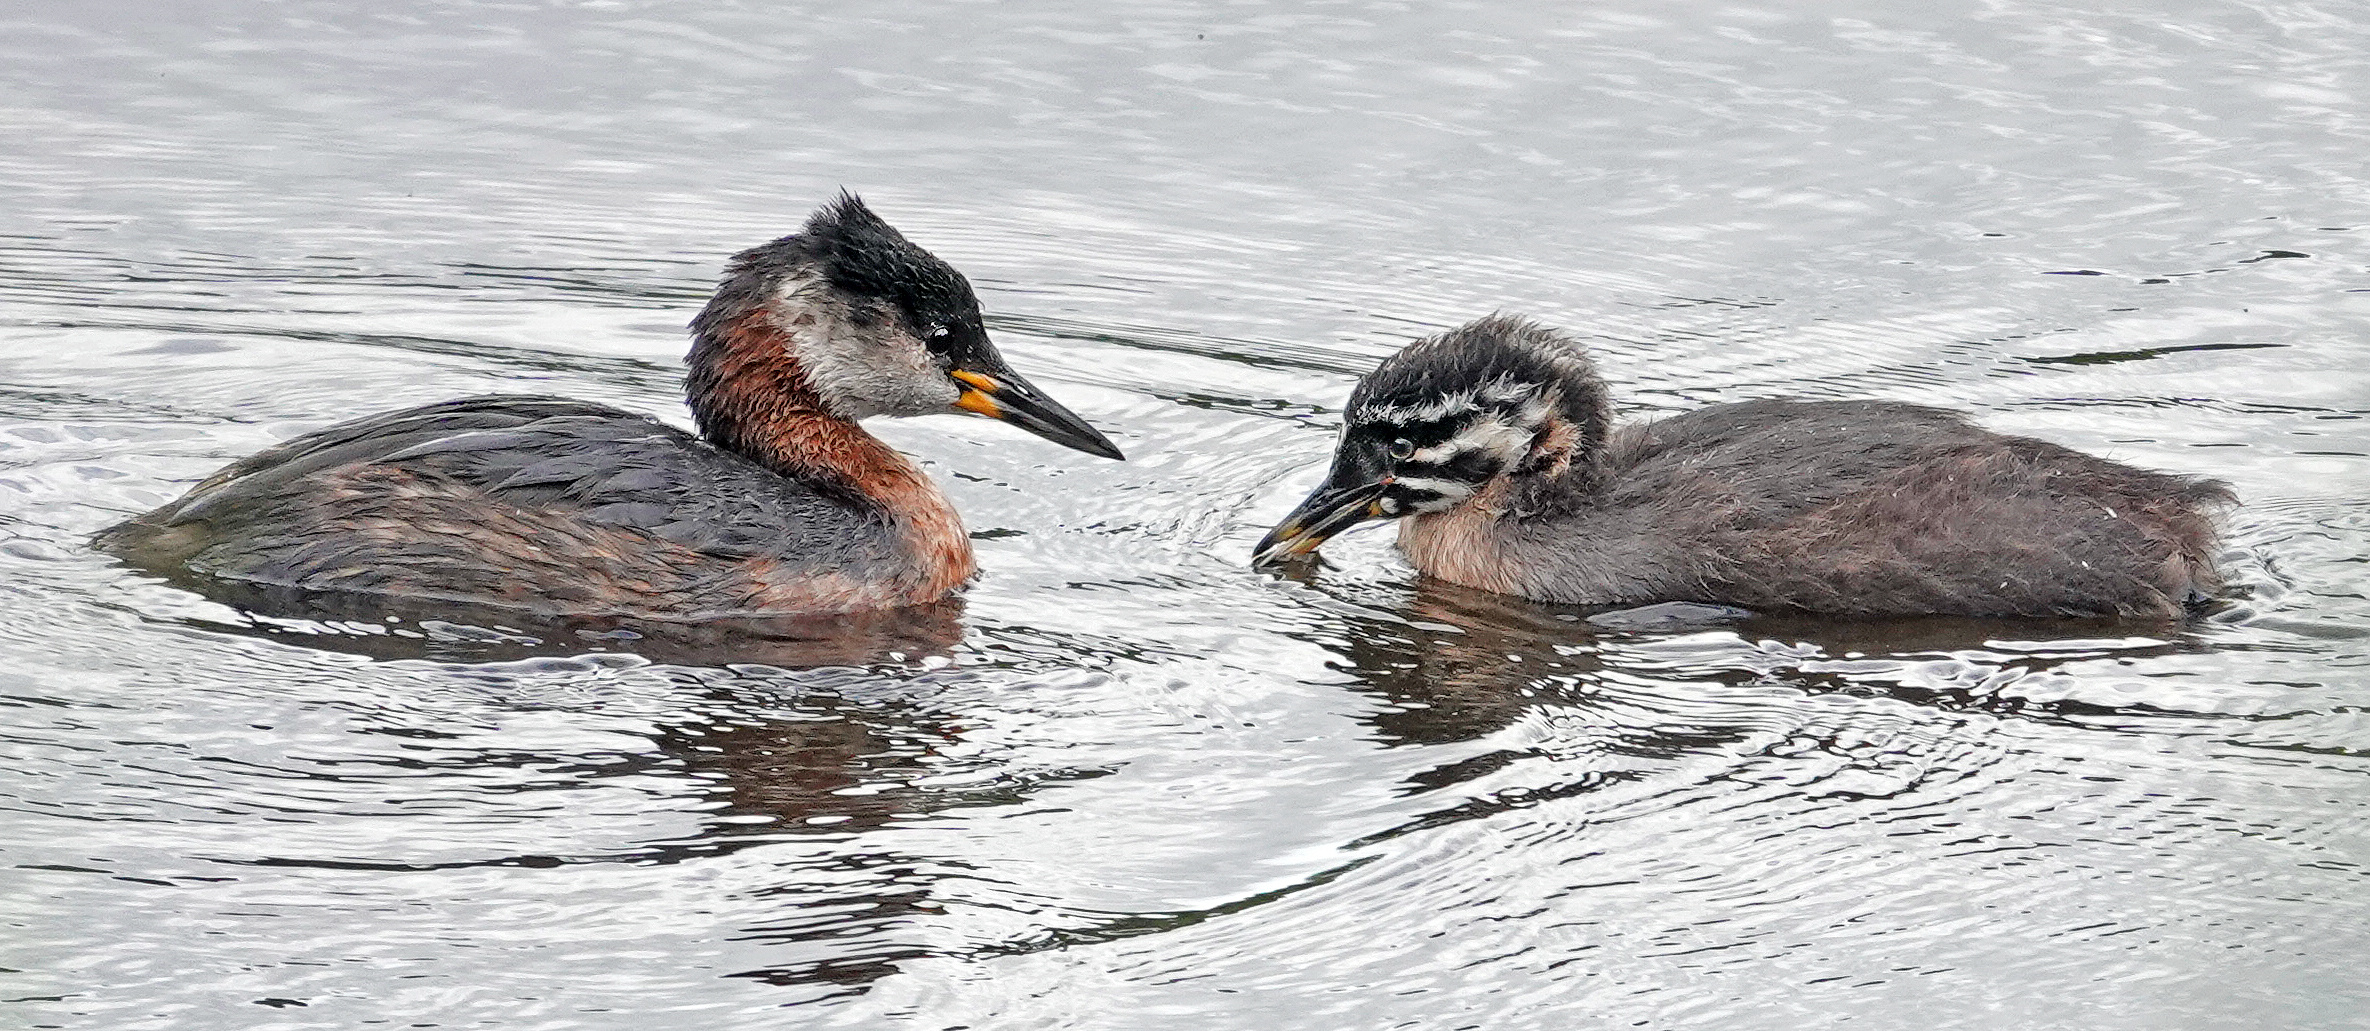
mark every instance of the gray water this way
{"type": "Point", "coordinates": [1134, 784]}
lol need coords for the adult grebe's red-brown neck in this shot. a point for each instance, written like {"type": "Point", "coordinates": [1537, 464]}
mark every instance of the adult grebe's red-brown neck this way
{"type": "Point", "coordinates": [751, 396]}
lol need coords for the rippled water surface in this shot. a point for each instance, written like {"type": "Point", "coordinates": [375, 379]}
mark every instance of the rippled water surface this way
{"type": "Point", "coordinates": [1131, 783]}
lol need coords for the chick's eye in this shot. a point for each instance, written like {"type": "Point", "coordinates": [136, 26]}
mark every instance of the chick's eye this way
{"type": "Point", "coordinates": [1401, 448]}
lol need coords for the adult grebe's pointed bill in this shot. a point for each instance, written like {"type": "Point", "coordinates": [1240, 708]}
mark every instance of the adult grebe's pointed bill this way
{"type": "Point", "coordinates": [1350, 495]}
{"type": "Point", "coordinates": [992, 389]}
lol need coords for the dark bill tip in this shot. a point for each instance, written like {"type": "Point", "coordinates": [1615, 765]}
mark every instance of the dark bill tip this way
{"type": "Point", "coordinates": [1327, 512]}
{"type": "Point", "coordinates": [1006, 397]}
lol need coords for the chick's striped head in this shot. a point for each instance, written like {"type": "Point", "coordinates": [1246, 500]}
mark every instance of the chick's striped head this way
{"type": "Point", "coordinates": [1436, 424]}
{"type": "Point", "coordinates": [1438, 421]}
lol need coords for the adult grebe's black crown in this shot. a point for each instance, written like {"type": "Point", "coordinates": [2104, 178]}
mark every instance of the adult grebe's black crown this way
{"type": "Point", "coordinates": [859, 255]}
{"type": "Point", "coordinates": [867, 257]}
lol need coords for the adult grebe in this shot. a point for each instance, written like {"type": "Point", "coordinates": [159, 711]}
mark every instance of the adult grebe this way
{"type": "Point", "coordinates": [782, 505]}
{"type": "Point", "coordinates": [1495, 442]}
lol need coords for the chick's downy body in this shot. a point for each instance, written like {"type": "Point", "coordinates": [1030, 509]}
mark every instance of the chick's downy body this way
{"type": "Point", "coordinates": [1494, 443]}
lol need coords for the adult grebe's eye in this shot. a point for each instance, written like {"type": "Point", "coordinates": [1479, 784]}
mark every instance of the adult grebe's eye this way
{"type": "Point", "coordinates": [1401, 448]}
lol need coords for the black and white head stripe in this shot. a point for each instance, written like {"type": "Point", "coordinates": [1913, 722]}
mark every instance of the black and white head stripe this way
{"type": "Point", "coordinates": [1495, 394]}
{"type": "Point", "coordinates": [1495, 363]}
{"type": "Point", "coordinates": [1451, 411]}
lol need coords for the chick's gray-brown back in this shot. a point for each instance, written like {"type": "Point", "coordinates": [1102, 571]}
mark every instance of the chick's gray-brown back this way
{"type": "Point", "coordinates": [541, 503]}
{"type": "Point", "coordinates": [1866, 507]}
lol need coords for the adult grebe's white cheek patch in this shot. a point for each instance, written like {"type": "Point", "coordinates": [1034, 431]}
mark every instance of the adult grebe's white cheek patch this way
{"type": "Point", "coordinates": [859, 371]}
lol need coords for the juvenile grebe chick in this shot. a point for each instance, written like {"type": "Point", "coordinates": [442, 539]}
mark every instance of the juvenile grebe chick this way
{"type": "Point", "coordinates": [1494, 442]}
{"type": "Point", "coordinates": [781, 505]}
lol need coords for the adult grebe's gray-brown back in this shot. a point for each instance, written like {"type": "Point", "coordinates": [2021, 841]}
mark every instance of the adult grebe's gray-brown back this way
{"type": "Point", "coordinates": [781, 504]}
{"type": "Point", "coordinates": [1494, 443]}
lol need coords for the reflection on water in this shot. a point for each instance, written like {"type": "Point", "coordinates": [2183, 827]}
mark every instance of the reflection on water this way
{"type": "Point", "coordinates": [1126, 782]}
{"type": "Point", "coordinates": [1452, 665]}
{"type": "Point", "coordinates": [839, 770]}
{"type": "Point", "coordinates": [399, 628]}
